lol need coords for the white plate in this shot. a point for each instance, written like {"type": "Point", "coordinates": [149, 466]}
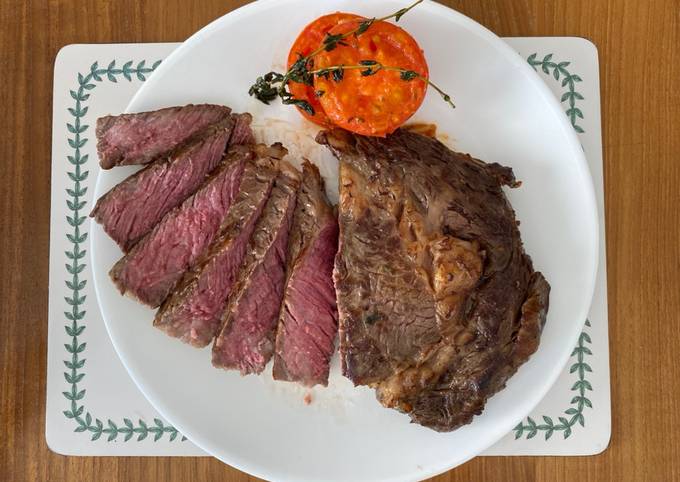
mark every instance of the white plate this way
{"type": "Point", "coordinates": [505, 114]}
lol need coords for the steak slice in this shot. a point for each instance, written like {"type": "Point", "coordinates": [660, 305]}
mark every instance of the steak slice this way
{"type": "Point", "coordinates": [194, 310]}
{"type": "Point", "coordinates": [438, 302]}
{"type": "Point", "coordinates": [246, 340]}
{"type": "Point", "coordinates": [132, 208]}
{"type": "Point", "coordinates": [154, 265]}
{"type": "Point", "coordinates": [242, 133]}
{"type": "Point", "coordinates": [140, 138]}
{"type": "Point", "coordinates": [308, 322]}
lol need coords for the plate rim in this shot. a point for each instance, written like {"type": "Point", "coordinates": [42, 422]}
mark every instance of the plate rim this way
{"type": "Point", "coordinates": [580, 162]}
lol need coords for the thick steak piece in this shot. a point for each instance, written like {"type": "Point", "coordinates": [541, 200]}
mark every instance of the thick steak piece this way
{"type": "Point", "coordinates": [438, 302]}
{"type": "Point", "coordinates": [308, 322]}
{"type": "Point", "coordinates": [194, 311]}
{"type": "Point", "coordinates": [132, 208]}
{"type": "Point", "coordinates": [154, 265]}
{"type": "Point", "coordinates": [141, 138]}
{"type": "Point", "coordinates": [246, 340]}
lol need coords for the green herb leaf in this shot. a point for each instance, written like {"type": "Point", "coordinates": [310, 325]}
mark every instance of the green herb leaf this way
{"type": "Point", "coordinates": [338, 74]}
{"type": "Point", "coordinates": [331, 41]}
{"type": "Point", "coordinates": [363, 26]}
{"type": "Point", "coordinates": [263, 89]}
{"type": "Point", "coordinates": [408, 75]}
{"type": "Point", "coordinates": [400, 14]}
{"type": "Point", "coordinates": [299, 103]}
{"type": "Point", "coordinates": [273, 77]}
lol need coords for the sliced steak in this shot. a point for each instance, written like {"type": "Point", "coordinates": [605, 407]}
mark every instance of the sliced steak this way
{"type": "Point", "coordinates": [132, 208]}
{"type": "Point", "coordinates": [154, 265]}
{"type": "Point", "coordinates": [141, 138]}
{"type": "Point", "coordinates": [246, 340]}
{"type": "Point", "coordinates": [438, 302]}
{"type": "Point", "coordinates": [308, 322]}
{"type": "Point", "coordinates": [193, 312]}
{"type": "Point", "coordinates": [242, 133]}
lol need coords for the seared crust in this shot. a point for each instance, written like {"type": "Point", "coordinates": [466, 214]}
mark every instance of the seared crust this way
{"type": "Point", "coordinates": [438, 302]}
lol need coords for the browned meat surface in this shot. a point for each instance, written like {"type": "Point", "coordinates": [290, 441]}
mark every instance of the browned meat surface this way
{"type": "Point", "coordinates": [438, 302]}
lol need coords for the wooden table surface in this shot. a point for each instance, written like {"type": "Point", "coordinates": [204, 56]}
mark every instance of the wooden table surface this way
{"type": "Point", "coordinates": [639, 47]}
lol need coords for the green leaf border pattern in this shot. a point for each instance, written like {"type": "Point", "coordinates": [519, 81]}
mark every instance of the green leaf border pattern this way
{"type": "Point", "coordinates": [579, 402]}
{"type": "Point", "coordinates": [75, 264]}
{"type": "Point", "coordinates": [569, 80]}
{"type": "Point", "coordinates": [574, 414]}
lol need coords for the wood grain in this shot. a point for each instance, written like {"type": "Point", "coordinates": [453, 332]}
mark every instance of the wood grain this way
{"type": "Point", "coordinates": [639, 46]}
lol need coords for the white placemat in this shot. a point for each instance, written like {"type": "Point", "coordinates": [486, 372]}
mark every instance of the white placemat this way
{"type": "Point", "coordinates": [94, 408]}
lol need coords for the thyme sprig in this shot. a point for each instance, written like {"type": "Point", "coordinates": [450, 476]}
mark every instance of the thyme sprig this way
{"type": "Point", "coordinates": [372, 67]}
{"type": "Point", "coordinates": [274, 84]}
